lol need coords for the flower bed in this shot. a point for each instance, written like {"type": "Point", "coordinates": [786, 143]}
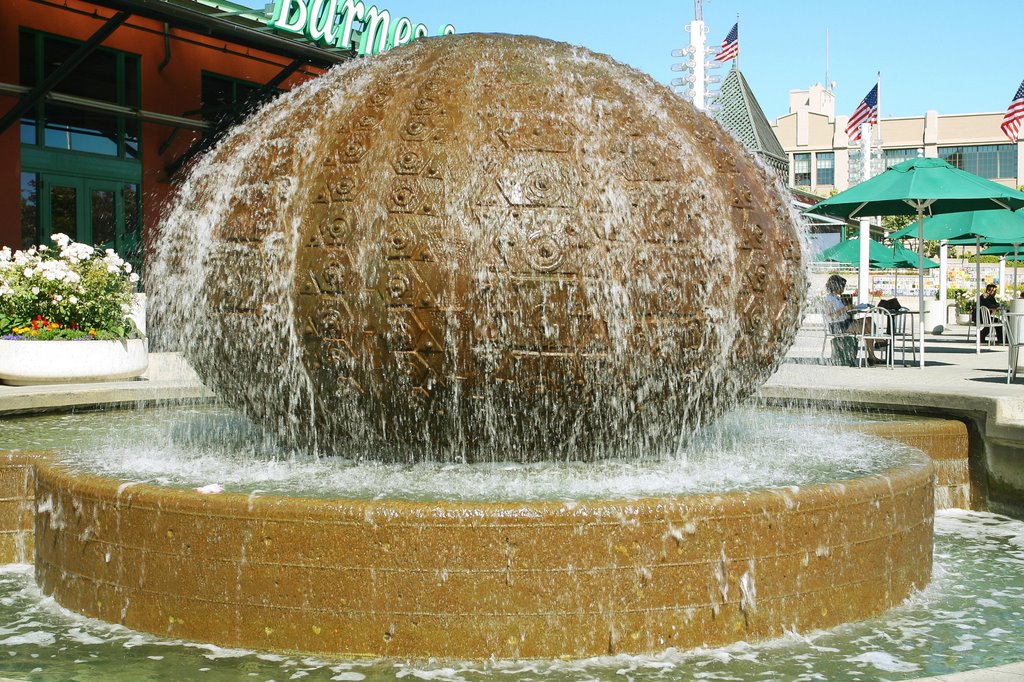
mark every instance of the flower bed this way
{"type": "Point", "coordinates": [71, 293]}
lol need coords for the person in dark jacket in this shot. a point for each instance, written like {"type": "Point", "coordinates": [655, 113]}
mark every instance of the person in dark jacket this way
{"type": "Point", "coordinates": [988, 300]}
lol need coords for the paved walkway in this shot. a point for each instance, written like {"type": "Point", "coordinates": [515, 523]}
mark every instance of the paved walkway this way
{"type": "Point", "coordinates": [955, 378]}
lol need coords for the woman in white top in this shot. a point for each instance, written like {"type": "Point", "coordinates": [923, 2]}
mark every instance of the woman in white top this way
{"type": "Point", "coordinates": [838, 315]}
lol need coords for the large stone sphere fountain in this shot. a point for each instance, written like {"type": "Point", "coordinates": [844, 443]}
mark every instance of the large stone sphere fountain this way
{"type": "Point", "coordinates": [474, 248]}
{"type": "Point", "coordinates": [482, 247]}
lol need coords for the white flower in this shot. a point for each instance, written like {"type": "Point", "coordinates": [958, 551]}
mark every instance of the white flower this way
{"type": "Point", "coordinates": [57, 298]}
{"type": "Point", "coordinates": [4, 289]}
{"type": "Point", "coordinates": [133, 278]}
{"type": "Point", "coordinates": [43, 247]}
{"type": "Point", "coordinates": [72, 299]}
{"type": "Point", "coordinates": [127, 267]}
{"type": "Point", "coordinates": [112, 269]}
{"type": "Point", "coordinates": [5, 254]}
{"type": "Point", "coordinates": [60, 238]}
{"type": "Point", "coordinates": [35, 290]}
{"type": "Point", "coordinates": [29, 272]}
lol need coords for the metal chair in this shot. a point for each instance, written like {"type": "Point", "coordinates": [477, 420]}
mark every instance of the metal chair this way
{"type": "Point", "coordinates": [983, 319]}
{"type": "Point", "coordinates": [901, 320]}
{"type": "Point", "coordinates": [827, 329]}
{"type": "Point", "coordinates": [879, 328]}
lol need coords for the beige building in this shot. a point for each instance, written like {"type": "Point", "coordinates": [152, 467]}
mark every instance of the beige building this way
{"type": "Point", "coordinates": [821, 158]}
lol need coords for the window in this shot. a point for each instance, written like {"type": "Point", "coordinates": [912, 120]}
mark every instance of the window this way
{"type": "Point", "coordinates": [29, 209]}
{"type": "Point", "coordinates": [222, 95]}
{"type": "Point", "coordinates": [105, 75]}
{"type": "Point", "coordinates": [825, 164]}
{"type": "Point", "coordinates": [989, 160]}
{"type": "Point", "coordinates": [894, 156]}
{"type": "Point", "coordinates": [802, 170]}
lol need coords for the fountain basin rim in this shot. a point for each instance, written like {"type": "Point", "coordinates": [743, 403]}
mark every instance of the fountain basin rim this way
{"type": "Point", "coordinates": [143, 491]}
{"type": "Point", "coordinates": [480, 580]}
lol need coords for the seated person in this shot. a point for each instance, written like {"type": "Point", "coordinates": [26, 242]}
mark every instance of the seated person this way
{"type": "Point", "coordinates": [838, 314]}
{"type": "Point", "coordinates": [988, 300]}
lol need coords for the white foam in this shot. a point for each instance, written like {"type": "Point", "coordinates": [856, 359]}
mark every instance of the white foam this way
{"type": "Point", "coordinates": [37, 637]}
{"type": "Point", "coordinates": [885, 662]}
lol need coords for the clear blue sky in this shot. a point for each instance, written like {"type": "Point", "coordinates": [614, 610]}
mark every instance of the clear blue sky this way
{"type": "Point", "coordinates": [948, 55]}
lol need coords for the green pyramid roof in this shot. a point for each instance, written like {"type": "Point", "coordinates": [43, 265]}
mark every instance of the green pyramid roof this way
{"type": "Point", "coordinates": [742, 116]}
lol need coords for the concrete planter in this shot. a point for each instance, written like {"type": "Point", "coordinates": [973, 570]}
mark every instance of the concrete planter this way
{"type": "Point", "coordinates": [24, 363]}
{"type": "Point", "coordinates": [934, 312]}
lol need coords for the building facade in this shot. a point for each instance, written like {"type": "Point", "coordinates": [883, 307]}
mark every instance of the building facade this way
{"type": "Point", "coordinates": [105, 103]}
{"type": "Point", "coordinates": [821, 159]}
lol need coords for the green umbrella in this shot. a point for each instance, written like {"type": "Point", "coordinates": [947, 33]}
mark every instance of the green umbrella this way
{"type": "Point", "coordinates": [1000, 250]}
{"type": "Point", "coordinates": [997, 226]}
{"type": "Point", "coordinates": [848, 252]}
{"type": "Point", "coordinates": [880, 257]}
{"type": "Point", "coordinates": [920, 187]}
{"type": "Point", "coordinates": [903, 257]}
{"type": "Point", "coordinates": [993, 226]}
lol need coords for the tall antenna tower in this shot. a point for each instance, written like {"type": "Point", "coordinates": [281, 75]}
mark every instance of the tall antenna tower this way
{"type": "Point", "coordinates": [694, 86]}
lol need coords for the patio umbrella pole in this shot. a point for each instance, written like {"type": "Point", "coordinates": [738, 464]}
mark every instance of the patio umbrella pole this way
{"type": "Point", "coordinates": [977, 297]}
{"type": "Point", "coordinates": [920, 281]}
{"type": "Point", "coordinates": [1015, 294]}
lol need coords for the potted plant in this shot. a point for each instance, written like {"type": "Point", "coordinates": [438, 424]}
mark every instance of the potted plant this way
{"type": "Point", "coordinates": [65, 315]}
{"type": "Point", "coordinates": [964, 308]}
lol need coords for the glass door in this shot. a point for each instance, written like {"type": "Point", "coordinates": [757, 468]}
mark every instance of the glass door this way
{"type": "Point", "coordinates": [61, 207]}
{"type": "Point", "coordinates": [100, 212]}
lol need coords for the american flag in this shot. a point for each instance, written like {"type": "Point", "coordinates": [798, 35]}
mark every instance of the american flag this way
{"type": "Point", "coordinates": [1014, 115]}
{"type": "Point", "coordinates": [731, 45]}
{"type": "Point", "coordinates": [867, 112]}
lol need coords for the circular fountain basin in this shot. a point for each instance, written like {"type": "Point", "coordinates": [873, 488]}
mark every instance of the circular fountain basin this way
{"type": "Point", "coordinates": [467, 578]}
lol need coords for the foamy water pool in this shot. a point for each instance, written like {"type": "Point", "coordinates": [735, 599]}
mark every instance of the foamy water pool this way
{"type": "Point", "coordinates": [748, 449]}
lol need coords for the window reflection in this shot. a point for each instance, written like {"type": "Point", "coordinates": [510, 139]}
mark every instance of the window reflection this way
{"type": "Point", "coordinates": [104, 217]}
{"type": "Point", "coordinates": [29, 209]}
{"type": "Point", "coordinates": [131, 208]}
{"type": "Point", "coordinates": [80, 131]}
{"type": "Point", "coordinates": [28, 130]}
{"type": "Point", "coordinates": [63, 214]}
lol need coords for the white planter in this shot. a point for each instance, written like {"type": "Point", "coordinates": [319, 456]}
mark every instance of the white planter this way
{"type": "Point", "coordinates": [23, 363]}
{"type": "Point", "coordinates": [934, 313]}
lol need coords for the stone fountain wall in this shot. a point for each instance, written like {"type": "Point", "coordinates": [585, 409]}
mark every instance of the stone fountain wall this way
{"type": "Point", "coordinates": [475, 580]}
{"type": "Point", "coordinates": [17, 502]}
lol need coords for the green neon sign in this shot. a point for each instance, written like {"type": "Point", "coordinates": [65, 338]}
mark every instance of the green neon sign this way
{"type": "Point", "coordinates": [331, 23]}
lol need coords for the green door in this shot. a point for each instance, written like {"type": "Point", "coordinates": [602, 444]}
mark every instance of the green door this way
{"type": "Point", "coordinates": [91, 211]}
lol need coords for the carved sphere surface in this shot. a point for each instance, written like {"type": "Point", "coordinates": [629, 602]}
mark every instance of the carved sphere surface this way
{"type": "Point", "coordinates": [481, 247]}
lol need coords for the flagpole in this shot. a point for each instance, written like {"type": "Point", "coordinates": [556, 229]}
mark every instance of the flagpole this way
{"type": "Point", "coordinates": [736, 60]}
{"type": "Point", "coordinates": [863, 274]}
